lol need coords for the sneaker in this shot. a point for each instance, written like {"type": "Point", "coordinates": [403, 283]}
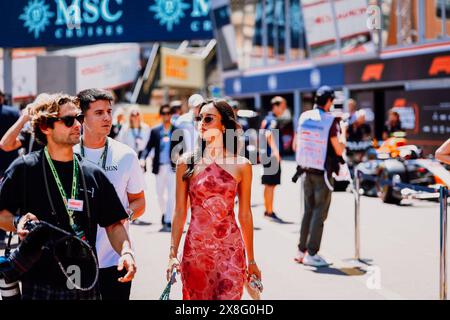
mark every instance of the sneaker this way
{"type": "Point", "coordinates": [167, 227]}
{"type": "Point", "coordinates": [299, 257]}
{"type": "Point", "coordinates": [314, 261]}
{"type": "Point", "coordinates": [139, 222]}
{"type": "Point", "coordinates": [273, 217]}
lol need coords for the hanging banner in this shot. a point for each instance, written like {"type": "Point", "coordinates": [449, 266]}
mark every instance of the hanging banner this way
{"type": "Point", "coordinates": [181, 70]}
{"type": "Point", "coordinates": [351, 18]}
{"type": "Point", "coordinates": [32, 23]}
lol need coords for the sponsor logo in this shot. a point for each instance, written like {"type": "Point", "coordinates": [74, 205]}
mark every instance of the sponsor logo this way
{"type": "Point", "coordinates": [373, 72]}
{"type": "Point", "coordinates": [170, 13]}
{"type": "Point", "coordinates": [36, 16]}
{"type": "Point", "coordinates": [440, 65]}
{"type": "Point", "coordinates": [73, 19]}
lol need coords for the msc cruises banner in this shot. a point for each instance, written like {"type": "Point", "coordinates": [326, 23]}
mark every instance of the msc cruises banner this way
{"type": "Point", "coordinates": [37, 23]}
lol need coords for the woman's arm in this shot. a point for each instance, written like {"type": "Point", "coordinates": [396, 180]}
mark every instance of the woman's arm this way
{"type": "Point", "coordinates": [443, 153]}
{"type": "Point", "coordinates": [179, 217]}
{"type": "Point", "coordinates": [246, 217]}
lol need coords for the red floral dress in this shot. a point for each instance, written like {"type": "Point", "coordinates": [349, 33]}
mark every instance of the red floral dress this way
{"type": "Point", "coordinates": [213, 264]}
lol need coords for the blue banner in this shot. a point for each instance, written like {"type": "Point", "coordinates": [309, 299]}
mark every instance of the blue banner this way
{"type": "Point", "coordinates": [272, 82]}
{"type": "Point", "coordinates": [36, 23]}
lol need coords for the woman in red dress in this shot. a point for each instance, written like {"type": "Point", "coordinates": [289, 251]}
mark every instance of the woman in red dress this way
{"type": "Point", "coordinates": [213, 265]}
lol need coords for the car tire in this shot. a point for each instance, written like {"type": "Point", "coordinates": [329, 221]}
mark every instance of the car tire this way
{"type": "Point", "coordinates": [386, 191]}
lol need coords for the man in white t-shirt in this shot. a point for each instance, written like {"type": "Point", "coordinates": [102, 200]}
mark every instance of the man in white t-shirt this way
{"type": "Point", "coordinates": [121, 166]}
{"type": "Point", "coordinates": [187, 122]}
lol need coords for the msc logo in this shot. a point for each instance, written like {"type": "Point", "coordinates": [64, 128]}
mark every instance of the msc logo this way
{"type": "Point", "coordinates": [72, 14]}
{"type": "Point", "coordinates": [36, 16]}
{"type": "Point", "coordinates": [171, 12]}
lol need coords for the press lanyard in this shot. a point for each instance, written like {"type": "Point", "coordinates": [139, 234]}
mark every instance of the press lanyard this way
{"type": "Point", "coordinates": [74, 193]}
{"type": "Point", "coordinates": [103, 156]}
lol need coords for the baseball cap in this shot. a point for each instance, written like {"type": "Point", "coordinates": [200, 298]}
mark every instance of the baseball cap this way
{"type": "Point", "coordinates": [195, 100]}
{"type": "Point", "coordinates": [276, 100]}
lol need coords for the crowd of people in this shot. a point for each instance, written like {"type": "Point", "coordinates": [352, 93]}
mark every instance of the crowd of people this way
{"type": "Point", "coordinates": [89, 165]}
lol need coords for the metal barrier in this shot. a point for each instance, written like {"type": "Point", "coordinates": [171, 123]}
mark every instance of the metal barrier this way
{"type": "Point", "coordinates": [416, 192]}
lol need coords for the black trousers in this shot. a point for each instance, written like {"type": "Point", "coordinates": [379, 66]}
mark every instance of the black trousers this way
{"type": "Point", "coordinates": [110, 287]}
{"type": "Point", "coordinates": [317, 203]}
{"type": "Point", "coordinates": [2, 234]}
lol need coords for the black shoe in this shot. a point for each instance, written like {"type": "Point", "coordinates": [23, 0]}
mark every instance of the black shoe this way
{"type": "Point", "coordinates": [167, 227]}
{"type": "Point", "coordinates": [273, 217]}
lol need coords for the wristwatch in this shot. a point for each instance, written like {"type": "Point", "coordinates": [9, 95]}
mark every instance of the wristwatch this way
{"type": "Point", "coordinates": [130, 213]}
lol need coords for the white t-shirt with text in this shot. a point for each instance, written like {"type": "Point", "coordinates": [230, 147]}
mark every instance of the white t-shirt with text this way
{"type": "Point", "coordinates": [124, 172]}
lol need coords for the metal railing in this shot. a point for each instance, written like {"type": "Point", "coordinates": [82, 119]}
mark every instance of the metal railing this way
{"type": "Point", "coordinates": [415, 192]}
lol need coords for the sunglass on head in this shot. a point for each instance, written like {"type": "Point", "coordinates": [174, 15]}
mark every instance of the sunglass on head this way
{"type": "Point", "coordinates": [206, 119]}
{"type": "Point", "coordinates": [69, 120]}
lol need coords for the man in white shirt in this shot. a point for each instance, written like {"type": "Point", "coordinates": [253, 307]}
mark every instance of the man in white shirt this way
{"type": "Point", "coordinates": [187, 122]}
{"type": "Point", "coordinates": [121, 165]}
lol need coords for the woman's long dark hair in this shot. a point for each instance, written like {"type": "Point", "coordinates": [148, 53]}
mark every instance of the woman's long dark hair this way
{"type": "Point", "coordinates": [229, 121]}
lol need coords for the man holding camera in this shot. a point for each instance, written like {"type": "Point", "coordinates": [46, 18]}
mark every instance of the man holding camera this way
{"type": "Point", "coordinates": [319, 148]}
{"type": "Point", "coordinates": [57, 187]}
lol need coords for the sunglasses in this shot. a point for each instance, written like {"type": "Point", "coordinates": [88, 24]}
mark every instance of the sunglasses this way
{"type": "Point", "coordinates": [167, 113]}
{"type": "Point", "coordinates": [135, 114]}
{"type": "Point", "coordinates": [205, 119]}
{"type": "Point", "coordinates": [69, 120]}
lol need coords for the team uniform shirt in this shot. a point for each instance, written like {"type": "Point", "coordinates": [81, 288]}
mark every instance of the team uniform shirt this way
{"type": "Point", "coordinates": [124, 172]}
{"type": "Point", "coordinates": [23, 190]}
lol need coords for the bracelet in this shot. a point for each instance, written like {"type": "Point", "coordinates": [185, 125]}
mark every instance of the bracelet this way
{"type": "Point", "coordinates": [130, 252]}
{"type": "Point", "coordinates": [251, 262]}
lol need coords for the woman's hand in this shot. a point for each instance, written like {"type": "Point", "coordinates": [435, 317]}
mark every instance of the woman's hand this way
{"type": "Point", "coordinates": [174, 264]}
{"type": "Point", "coordinates": [253, 269]}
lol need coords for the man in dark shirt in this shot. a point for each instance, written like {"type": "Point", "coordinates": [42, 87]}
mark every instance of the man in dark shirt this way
{"type": "Point", "coordinates": [55, 186]}
{"type": "Point", "coordinates": [8, 116]}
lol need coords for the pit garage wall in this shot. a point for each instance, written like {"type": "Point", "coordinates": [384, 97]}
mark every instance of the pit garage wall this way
{"type": "Point", "coordinates": [418, 86]}
{"type": "Point", "coordinates": [429, 114]}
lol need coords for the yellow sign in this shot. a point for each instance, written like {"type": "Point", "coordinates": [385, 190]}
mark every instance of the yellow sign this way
{"type": "Point", "coordinates": [181, 70]}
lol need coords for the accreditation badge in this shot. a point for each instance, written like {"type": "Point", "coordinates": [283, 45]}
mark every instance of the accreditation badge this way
{"type": "Point", "coordinates": [75, 205]}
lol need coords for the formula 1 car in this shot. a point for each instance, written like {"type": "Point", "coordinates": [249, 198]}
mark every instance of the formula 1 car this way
{"type": "Point", "coordinates": [399, 163]}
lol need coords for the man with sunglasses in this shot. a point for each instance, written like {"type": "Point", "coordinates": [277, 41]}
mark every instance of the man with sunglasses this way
{"type": "Point", "coordinates": [167, 142]}
{"type": "Point", "coordinates": [270, 155]}
{"type": "Point", "coordinates": [57, 186]}
{"type": "Point", "coordinates": [121, 165]}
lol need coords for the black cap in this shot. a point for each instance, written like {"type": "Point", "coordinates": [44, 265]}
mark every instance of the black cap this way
{"type": "Point", "coordinates": [323, 94]}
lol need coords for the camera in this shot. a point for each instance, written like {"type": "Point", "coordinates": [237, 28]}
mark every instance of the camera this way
{"type": "Point", "coordinates": [9, 290]}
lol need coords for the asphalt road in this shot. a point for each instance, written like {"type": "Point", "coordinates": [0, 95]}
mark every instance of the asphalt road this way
{"type": "Point", "coordinates": [400, 242]}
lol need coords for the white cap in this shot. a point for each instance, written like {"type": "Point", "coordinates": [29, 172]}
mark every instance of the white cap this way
{"type": "Point", "coordinates": [195, 100]}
